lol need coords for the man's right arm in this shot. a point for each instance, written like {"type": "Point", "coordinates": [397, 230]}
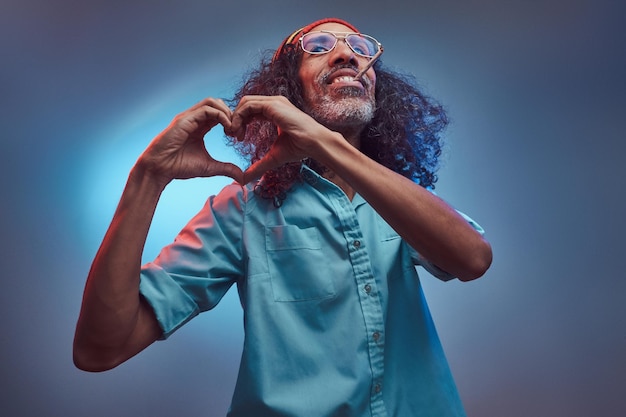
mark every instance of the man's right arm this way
{"type": "Point", "coordinates": [115, 322]}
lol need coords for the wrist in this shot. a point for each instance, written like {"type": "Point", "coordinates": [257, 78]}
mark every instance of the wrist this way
{"type": "Point", "coordinates": [336, 150]}
{"type": "Point", "coordinates": [327, 144]}
{"type": "Point", "coordinates": [144, 178]}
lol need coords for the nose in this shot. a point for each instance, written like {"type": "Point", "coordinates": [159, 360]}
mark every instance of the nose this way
{"type": "Point", "coordinates": [342, 54]}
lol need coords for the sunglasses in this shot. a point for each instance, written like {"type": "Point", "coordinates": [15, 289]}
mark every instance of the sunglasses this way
{"type": "Point", "coordinates": [322, 42]}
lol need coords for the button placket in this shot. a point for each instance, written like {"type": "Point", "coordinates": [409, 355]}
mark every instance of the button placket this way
{"type": "Point", "coordinates": [369, 301]}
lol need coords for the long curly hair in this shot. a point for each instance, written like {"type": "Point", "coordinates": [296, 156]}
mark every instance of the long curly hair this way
{"type": "Point", "coordinates": [403, 136]}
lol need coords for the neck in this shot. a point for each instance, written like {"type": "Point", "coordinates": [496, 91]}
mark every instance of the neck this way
{"type": "Point", "coordinates": [341, 183]}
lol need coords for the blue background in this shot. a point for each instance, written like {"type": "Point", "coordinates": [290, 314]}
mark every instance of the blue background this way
{"type": "Point", "coordinates": [537, 97]}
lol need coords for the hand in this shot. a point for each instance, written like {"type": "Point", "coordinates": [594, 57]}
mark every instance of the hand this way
{"type": "Point", "coordinates": [298, 133]}
{"type": "Point", "coordinates": [179, 151]}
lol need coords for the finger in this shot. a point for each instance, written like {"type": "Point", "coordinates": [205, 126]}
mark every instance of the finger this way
{"type": "Point", "coordinates": [219, 104]}
{"type": "Point", "coordinates": [204, 118]}
{"type": "Point", "coordinates": [256, 170]}
{"type": "Point", "coordinates": [248, 108]}
{"type": "Point", "coordinates": [209, 111]}
{"type": "Point", "coordinates": [227, 169]}
{"type": "Point", "coordinates": [212, 102]}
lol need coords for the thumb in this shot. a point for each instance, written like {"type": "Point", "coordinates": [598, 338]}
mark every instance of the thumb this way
{"type": "Point", "coordinates": [256, 170]}
{"type": "Point", "coordinates": [226, 169]}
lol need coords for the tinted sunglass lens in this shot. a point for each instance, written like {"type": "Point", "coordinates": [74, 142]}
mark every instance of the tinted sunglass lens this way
{"type": "Point", "coordinates": [362, 45]}
{"type": "Point", "coordinates": [318, 43]}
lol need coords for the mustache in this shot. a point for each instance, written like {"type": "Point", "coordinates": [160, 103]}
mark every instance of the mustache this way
{"type": "Point", "coordinates": [365, 80]}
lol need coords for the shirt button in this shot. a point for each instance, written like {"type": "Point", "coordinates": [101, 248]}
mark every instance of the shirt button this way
{"type": "Point", "coordinates": [377, 388]}
{"type": "Point", "coordinates": [368, 288]}
{"type": "Point", "coordinates": [356, 244]}
{"type": "Point", "coordinates": [376, 336]}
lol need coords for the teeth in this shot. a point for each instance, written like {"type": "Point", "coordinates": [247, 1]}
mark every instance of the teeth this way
{"type": "Point", "coordinates": [344, 79]}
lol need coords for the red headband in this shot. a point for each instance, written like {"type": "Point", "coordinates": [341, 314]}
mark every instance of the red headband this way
{"type": "Point", "coordinates": [295, 36]}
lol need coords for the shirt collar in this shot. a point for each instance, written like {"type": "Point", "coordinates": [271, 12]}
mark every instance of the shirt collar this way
{"type": "Point", "coordinates": [315, 180]}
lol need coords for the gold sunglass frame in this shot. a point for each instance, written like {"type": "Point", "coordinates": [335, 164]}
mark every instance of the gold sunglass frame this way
{"type": "Point", "coordinates": [343, 36]}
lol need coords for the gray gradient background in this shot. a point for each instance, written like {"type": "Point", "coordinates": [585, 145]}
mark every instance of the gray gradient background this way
{"type": "Point", "coordinates": [537, 97]}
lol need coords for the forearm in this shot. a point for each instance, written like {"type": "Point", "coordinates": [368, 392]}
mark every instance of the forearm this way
{"type": "Point", "coordinates": [115, 322]}
{"type": "Point", "coordinates": [429, 225]}
{"type": "Point", "coordinates": [113, 319]}
{"type": "Point", "coordinates": [425, 221]}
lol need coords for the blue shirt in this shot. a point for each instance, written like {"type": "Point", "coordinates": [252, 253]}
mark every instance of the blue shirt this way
{"type": "Point", "coordinates": [334, 316]}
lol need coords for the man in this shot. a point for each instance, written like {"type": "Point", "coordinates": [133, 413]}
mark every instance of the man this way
{"type": "Point", "coordinates": [322, 248]}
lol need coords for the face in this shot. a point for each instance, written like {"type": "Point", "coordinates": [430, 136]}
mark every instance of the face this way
{"type": "Point", "coordinates": [331, 94]}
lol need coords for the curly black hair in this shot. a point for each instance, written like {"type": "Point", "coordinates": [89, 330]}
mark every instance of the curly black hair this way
{"type": "Point", "coordinates": [403, 136]}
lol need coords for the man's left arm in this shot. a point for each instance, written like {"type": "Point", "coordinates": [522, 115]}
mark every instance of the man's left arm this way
{"type": "Point", "coordinates": [424, 221]}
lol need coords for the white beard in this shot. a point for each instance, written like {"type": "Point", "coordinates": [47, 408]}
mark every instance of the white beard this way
{"type": "Point", "coordinates": [350, 110]}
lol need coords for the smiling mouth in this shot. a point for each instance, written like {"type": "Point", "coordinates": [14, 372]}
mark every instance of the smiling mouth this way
{"type": "Point", "coordinates": [343, 75]}
{"type": "Point", "coordinates": [342, 79]}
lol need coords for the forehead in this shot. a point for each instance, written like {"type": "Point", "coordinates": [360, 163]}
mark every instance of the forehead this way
{"type": "Point", "coordinates": [332, 27]}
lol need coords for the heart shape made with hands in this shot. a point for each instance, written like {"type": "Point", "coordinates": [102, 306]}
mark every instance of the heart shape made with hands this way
{"type": "Point", "coordinates": [277, 110]}
{"type": "Point", "coordinates": [295, 130]}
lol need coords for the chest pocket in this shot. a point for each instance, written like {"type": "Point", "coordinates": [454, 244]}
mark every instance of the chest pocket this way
{"type": "Point", "coordinates": [298, 270]}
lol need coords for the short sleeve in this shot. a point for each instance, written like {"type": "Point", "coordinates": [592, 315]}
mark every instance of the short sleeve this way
{"type": "Point", "coordinates": [433, 269]}
{"type": "Point", "coordinates": [193, 273]}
